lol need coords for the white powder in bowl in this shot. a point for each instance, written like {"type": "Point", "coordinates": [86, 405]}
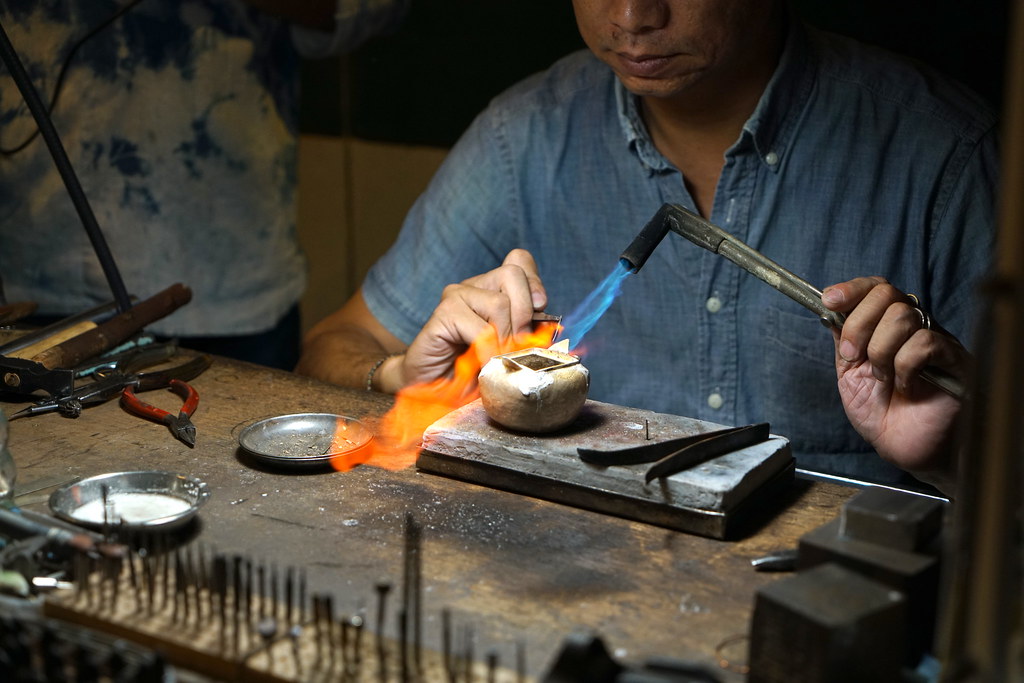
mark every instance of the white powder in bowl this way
{"type": "Point", "coordinates": [133, 508]}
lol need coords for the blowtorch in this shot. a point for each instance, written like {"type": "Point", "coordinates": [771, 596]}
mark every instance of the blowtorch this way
{"type": "Point", "coordinates": [705, 234]}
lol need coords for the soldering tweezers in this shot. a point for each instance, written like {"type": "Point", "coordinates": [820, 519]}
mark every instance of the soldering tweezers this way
{"type": "Point", "coordinates": [676, 455]}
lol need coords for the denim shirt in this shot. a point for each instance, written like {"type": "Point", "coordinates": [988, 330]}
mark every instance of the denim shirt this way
{"type": "Point", "coordinates": [180, 120]}
{"type": "Point", "coordinates": [854, 163]}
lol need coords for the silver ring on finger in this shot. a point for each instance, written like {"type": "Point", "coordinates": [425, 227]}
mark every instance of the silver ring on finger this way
{"type": "Point", "coordinates": [926, 320]}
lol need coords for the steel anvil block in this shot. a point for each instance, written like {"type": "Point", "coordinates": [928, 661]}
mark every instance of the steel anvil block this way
{"type": "Point", "coordinates": [875, 536]}
{"type": "Point", "coordinates": [827, 624]}
{"type": "Point", "coordinates": [893, 519]}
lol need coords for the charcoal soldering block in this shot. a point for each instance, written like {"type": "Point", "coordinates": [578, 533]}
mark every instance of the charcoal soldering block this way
{"type": "Point", "coordinates": [827, 624]}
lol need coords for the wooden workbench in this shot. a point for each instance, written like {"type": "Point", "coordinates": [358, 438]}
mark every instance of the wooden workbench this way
{"type": "Point", "coordinates": [518, 569]}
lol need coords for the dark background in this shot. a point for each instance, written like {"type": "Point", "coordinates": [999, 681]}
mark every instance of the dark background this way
{"type": "Point", "coordinates": [424, 83]}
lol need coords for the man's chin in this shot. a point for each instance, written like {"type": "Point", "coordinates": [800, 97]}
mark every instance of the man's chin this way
{"type": "Point", "coordinates": [659, 88]}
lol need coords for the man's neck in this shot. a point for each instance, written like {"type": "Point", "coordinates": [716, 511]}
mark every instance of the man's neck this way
{"type": "Point", "coordinates": [694, 130]}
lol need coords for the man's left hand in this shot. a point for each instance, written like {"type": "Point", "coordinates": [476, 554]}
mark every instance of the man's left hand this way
{"type": "Point", "coordinates": [880, 353]}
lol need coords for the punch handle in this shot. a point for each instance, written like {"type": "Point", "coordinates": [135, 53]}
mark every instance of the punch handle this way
{"type": "Point", "coordinates": [109, 334]}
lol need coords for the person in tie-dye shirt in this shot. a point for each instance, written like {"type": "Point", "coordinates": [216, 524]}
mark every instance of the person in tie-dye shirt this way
{"type": "Point", "coordinates": [180, 119]}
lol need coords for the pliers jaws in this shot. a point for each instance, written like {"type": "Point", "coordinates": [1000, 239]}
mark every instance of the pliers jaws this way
{"type": "Point", "coordinates": [181, 424]}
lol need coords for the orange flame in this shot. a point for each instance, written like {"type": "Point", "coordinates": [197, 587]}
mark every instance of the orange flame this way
{"type": "Point", "coordinates": [397, 442]}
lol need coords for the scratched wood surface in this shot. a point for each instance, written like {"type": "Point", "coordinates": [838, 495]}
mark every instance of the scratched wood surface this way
{"type": "Point", "coordinates": [513, 568]}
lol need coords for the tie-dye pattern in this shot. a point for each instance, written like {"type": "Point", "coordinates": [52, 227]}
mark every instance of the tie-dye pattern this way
{"type": "Point", "coordinates": [180, 121]}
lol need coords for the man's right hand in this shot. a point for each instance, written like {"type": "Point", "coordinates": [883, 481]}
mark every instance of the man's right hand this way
{"type": "Point", "coordinates": [489, 309]}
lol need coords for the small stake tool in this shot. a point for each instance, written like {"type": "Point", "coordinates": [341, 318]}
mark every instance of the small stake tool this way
{"type": "Point", "coordinates": [382, 588]}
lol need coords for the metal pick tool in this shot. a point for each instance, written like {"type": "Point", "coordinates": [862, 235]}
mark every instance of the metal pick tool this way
{"type": "Point", "coordinates": [705, 234]}
{"type": "Point", "coordinates": [556, 320]}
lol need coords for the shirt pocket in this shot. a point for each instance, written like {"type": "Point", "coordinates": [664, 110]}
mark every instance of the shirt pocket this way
{"type": "Point", "coordinates": [797, 380]}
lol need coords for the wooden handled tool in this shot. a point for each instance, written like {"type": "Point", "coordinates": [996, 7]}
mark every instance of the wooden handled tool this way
{"type": "Point", "coordinates": [11, 313]}
{"type": "Point", "coordinates": [55, 332]}
{"type": "Point", "coordinates": [112, 332]}
{"type": "Point", "coordinates": [37, 348]}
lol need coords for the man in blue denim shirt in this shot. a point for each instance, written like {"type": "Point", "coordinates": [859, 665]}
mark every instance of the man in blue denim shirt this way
{"type": "Point", "coordinates": [843, 163]}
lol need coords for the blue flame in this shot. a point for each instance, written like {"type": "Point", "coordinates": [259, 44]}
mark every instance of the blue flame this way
{"type": "Point", "coordinates": [576, 325]}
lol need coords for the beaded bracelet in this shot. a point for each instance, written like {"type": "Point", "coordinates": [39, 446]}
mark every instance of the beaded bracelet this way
{"type": "Point", "coordinates": [373, 369]}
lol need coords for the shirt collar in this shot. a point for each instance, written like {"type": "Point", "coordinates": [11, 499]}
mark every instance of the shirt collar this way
{"type": "Point", "coordinates": [771, 126]}
{"type": "Point", "coordinates": [636, 132]}
{"type": "Point", "coordinates": [774, 122]}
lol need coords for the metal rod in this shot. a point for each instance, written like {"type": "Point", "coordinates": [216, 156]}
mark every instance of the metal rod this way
{"type": "Point", "coordinates": [318, 629]}
{"type": "Point", "coordinates": [180, 601]}
{"type": "Point", "coordinates": [248, 600]}
{"type": "Point", "coordinates": [332, 654]}
{"type": "Point", "coordinates": [67, 172]}
{"type": "Point", "coordinates": [846, 481]}
{"type": "Point", "coordinates": [382, 588]}
{"type": "Point", "coordinates": [446, 644]}
{"type": "Point", "coordinates": [236, 603]}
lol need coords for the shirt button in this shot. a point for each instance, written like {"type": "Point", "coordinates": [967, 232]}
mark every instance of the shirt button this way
{"type": "Point", "coordinates": [714, 304]}
{"type": "Point", "coordinates": [771, 158]}
{"type": "Point", "coordinates": [715, 401]}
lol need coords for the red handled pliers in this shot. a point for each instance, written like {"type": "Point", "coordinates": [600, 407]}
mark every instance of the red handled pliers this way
{"type": "Point", "coordinates": [181, 424]}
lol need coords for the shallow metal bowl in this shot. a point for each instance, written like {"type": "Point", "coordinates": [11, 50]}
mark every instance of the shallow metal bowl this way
{"type": "Point", "coordinates": [304, 439]}
{"type": "Point", "coordinates": [149, 499]}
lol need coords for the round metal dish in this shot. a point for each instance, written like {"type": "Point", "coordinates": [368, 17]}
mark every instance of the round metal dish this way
{"type": "Point", "coordinates": [140, 500]}
{"type": "Point", "coordinates": [304, 439]}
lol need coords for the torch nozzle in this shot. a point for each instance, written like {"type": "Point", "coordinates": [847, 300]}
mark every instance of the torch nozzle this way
{"type": "Point", "coordinates": [643, 245]}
